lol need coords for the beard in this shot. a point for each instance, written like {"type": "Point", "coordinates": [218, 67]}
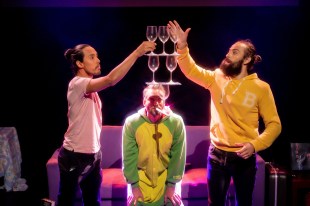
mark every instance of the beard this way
{"type": "Point", "coordinates": [97, 73]}
{"type": "Point", "coordinates": [231, 69]}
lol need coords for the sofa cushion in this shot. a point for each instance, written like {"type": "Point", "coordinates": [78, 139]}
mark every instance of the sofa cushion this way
{"type": "Point", "coordinates": [194, 183]}
{"type": "Point", "coordinates": [113, 184]}
{"type": "Point", "coordinates": [197, 146]}
{"type": "Point", "coordinates": [111, 147]}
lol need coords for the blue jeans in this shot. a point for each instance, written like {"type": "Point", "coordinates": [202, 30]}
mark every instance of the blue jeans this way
{"type": "Point", "coordinates": [79, 170]}
{"type": "Point", "coordinates": [222, 166]}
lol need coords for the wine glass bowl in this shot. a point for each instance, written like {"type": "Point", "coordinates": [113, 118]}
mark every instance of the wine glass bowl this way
{"type": "Point", "coordinates": [173, 37]}
{"type": "Point", "coordinates": [171, 65]}
{"type": "Point", "coordinates": [163, 36]}
{"type": "Point", "coordinates": [153, 64]}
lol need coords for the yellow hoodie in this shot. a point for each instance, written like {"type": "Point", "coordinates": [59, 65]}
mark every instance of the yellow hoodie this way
{"type": "Point", "coordinates": [236, 106]}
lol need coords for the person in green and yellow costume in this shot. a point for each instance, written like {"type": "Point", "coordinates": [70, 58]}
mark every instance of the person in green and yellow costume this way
{"type": "Point", "coordinates": [154, 151]}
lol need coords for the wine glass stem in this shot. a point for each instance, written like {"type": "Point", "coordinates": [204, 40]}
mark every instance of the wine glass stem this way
{"type": "Point", "coordinates": [174, 49]}
{"type": "Point", "coordinates": [170, 76]}
{"type": "Point", "coordinates": [153, 76]}
{"type": "Point", "coordinates": [164, 48]}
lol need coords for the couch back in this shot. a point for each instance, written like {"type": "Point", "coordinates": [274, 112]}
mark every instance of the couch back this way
{"type": "Point", "coordinates": [197, 146]}
{"type": "Point", "coordinates": [111, 146]}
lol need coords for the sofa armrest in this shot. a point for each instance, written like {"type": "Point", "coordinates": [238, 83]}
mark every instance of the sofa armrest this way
{"type": "Point", "coordinates": [113, 184]}
{"type": "Point", "coordinates": [53, 175]}
{"type": "Point", "coordinates": [259, 188]}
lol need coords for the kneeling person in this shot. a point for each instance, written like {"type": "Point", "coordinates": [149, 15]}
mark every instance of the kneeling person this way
{"type": "Point", "coordinates": [154, 151]}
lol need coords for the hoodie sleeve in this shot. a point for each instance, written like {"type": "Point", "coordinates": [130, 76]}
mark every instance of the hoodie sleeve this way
{"type": "Point", "coordinates": [130, 155]}
{"type": "Point", "coordinates": [192, 71]}
{"type": "Point", "coordinates": [269, 114]}
{"type": "Point", "coordinates": [176, 165]}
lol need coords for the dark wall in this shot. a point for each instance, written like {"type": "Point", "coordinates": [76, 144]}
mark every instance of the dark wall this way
{"type": "Point", "coordinates": [34, 74]}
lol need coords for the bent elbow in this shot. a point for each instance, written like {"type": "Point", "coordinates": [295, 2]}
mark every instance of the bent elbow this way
{"type": "Point", "coordinates": [278, 128]}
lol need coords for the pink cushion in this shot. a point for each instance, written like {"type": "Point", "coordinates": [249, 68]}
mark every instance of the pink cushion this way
{"type": "Point", "coordinates": [113, 184]}
{"type": "Point", "coordinates": [195, 176]}
{"type": "Point", "coordinates": [194, 183]}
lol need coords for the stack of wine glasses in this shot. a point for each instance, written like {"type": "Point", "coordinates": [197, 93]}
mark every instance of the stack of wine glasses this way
{"type": "Point", "coordinates": [162, 33]}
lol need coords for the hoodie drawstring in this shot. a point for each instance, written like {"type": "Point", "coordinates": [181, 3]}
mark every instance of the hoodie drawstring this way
{"type": "Point", "coordinates": [223, 91]}
{"type": "Point", "coordinates": [233, 93]}
{"type": "Point", "coordinates": [156, 136]}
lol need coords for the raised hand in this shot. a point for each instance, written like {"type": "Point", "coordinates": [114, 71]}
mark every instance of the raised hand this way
{"type": "Point", "coordinates": [175, 28]}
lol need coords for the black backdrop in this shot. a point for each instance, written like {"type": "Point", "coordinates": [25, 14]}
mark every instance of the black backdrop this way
{"type": "Point", "coordinates": [34, 73]}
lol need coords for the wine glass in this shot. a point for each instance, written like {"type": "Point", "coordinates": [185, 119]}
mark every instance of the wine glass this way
{"type": "Point", "coordinates": [151, 35]}
{"type": "Point", "coordinates": [171, 65]}
{"type": "Point", "coordinates": [153, 64]}
{"type": "Point", "coordinates": [174, 39]}
{"type": "Point", "coordinates": [163, 37]}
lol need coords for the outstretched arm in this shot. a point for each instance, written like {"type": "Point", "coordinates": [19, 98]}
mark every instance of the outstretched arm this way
{"type": "Point", "coordinates": [121, 70]}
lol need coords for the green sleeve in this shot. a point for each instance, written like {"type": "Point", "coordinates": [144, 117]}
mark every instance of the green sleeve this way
{"type": "Point", "coordinates": [176, 165]}
{"type": "Point", "coordinates": [130, 154]}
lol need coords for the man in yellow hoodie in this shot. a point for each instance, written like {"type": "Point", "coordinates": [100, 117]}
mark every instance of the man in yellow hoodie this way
{"type": "Point", "coordinates": [238, 100]}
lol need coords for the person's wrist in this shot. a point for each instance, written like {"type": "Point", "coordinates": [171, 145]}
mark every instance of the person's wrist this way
{"type": "Point", "coordinates": [182, 45]}
{"type": "Point", "coordinates": [135, 185]}
{"type": "Point", "coordinates": [170, 184]}
{"type": "Point", "coordinates": [137, 53]}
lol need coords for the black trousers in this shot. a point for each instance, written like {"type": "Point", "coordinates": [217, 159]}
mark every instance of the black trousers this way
{"type": "Point", "coordinates": [222, 166]}
{"type": "Point", "coordinates": [79, 171]}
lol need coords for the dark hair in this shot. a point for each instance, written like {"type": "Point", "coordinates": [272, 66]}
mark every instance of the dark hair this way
{"type": "Point", "coordinates": [75, 54]}
{"type": "Point", "coordinates": [251, 52]}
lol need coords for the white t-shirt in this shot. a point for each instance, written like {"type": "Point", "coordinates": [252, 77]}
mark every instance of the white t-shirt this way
{"type": "Point", "coordinates": [85, 118]}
